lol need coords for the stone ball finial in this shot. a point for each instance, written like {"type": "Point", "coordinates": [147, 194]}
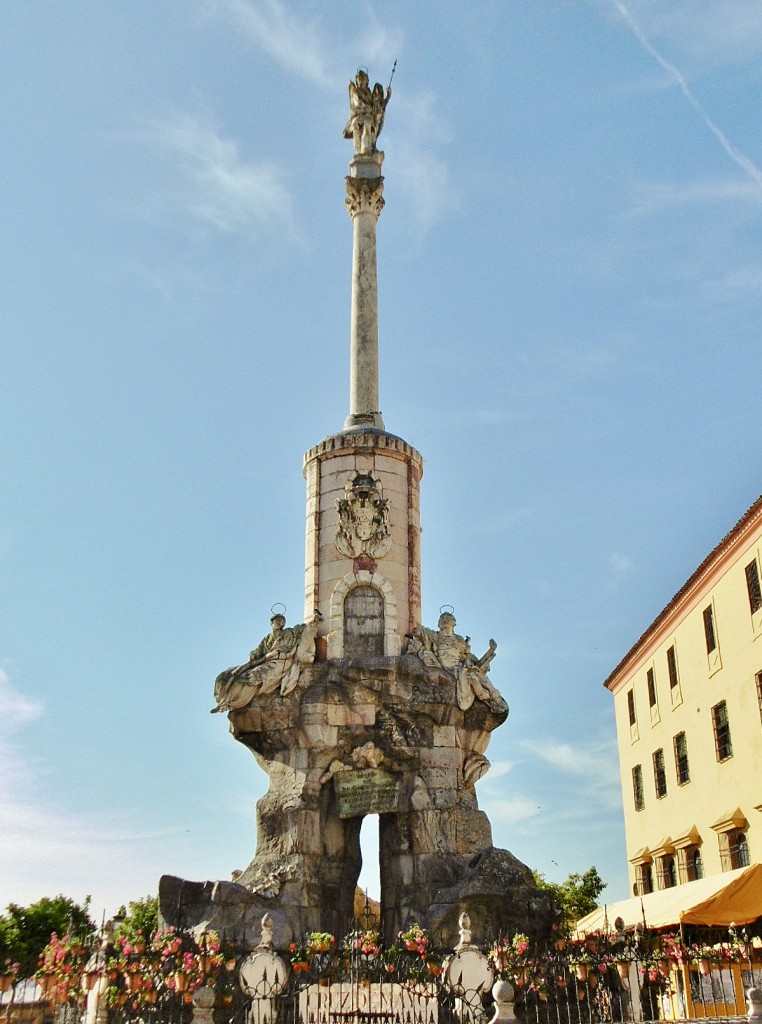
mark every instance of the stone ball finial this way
{"type": "Point", "coordinates": [503, 993]}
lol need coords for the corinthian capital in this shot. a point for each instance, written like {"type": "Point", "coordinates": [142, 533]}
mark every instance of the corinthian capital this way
{"type": "Point", "coordinates": [364, 195]}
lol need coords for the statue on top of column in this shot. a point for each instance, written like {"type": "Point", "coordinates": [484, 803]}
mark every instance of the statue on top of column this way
{"type": "Point", "coordinates": [444, 650]}
{"type": "Point", "coordinates": [275, 662]}
{"type": "Point", "coordinates": [366, 113]}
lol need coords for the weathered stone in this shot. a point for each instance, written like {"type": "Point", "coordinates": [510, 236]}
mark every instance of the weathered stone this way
{"type": "Point", "coordinates": [343, 723]}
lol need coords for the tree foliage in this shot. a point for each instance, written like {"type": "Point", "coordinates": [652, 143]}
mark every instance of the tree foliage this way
{"type": "Point", "coordinates": [142, 919]}
{"type": "Point", "coordinates": [576, 896]}
{"type": "Point", "coordinates": [25, 931]}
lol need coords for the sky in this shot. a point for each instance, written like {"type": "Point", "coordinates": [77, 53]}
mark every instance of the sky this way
{"type": "Point", "coordinates": [570, 283]}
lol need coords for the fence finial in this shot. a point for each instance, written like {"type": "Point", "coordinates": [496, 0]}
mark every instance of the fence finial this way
{"type": "Point", "coordinates": [267, 932]}
{"type": "Point", "coordinates": [754, 995]}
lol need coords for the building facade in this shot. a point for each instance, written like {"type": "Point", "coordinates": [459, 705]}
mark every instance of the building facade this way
{"type": "Point", "coordinates": [688, 706]}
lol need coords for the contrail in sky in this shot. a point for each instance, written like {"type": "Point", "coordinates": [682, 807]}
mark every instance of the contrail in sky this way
{"type": "Point", "coordinates": [737, 157]}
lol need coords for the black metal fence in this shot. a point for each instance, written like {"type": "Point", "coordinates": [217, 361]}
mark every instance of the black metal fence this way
{"type": "Point", "coordinates": [638, 977]}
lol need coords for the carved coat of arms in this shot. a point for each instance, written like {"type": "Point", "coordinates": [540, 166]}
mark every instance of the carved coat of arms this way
{"type": "Point", "coordinates": [363, 519]}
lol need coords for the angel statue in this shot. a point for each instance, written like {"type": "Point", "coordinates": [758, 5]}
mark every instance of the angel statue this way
{"type": "Point", "coordinates": [443, 649]}
{"type": "Point", "coordinates": [366, 113]}
{"type": "Point", "coordinates": [275, 662]}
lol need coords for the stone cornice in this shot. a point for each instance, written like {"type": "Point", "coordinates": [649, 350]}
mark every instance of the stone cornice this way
{"type": "Point", "coordinates": [352, 442]}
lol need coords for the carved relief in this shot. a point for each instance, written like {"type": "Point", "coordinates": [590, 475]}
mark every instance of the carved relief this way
{"type": "Point", "coordinates": [475, 767]}
{"type": "Point", "coordinates": [364, 195]}
{"type": "Point", "coordinates": [363, 519]}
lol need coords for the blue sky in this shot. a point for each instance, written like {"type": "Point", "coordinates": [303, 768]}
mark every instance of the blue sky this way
{"type": "Point", "coordinates": [570, 284]}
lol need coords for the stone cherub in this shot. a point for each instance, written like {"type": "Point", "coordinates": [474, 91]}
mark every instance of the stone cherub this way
{"type": "Point", "coordinates": [444, 650]}
{"type": "Point", "coordinates": [275, 662]}
{"type": "Point", "coordinates": [367, 108]}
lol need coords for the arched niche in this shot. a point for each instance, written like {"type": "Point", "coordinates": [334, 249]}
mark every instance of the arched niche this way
{"type": "Point", "coordinates": [362, 578]}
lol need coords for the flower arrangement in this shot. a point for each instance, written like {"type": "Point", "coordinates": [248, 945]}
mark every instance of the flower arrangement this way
{"type": "Point", "coordinates": [9, 971]}
{"type": "Point", "coordinates": [507, 958]}
{"type": "Point", "coordinates": [317, 946]}
{"type": "Point", "coordinates": [299, 956]}
{"type": "Point", "coordinates": [60, 969]}
{"type": "Point", "coordinates": [411, 956]}
{"type": "Point", "coordinates": [321, 942]}
{"type": "Point", "coordinates": [171, 967]}
{"type": "Point", "coordinates": [415, 939]}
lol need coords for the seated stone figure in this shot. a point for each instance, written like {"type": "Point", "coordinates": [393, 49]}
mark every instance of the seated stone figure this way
{"type": "Point", "coordinates": [444, 650]}
{"type": "Point", "coordinates": [275, 662]}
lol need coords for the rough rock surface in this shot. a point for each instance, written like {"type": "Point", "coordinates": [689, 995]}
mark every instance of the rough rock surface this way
{"type": "Point", "coordinates": [383, 735]}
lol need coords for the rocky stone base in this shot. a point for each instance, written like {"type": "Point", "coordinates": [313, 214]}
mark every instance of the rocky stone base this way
{"type": "Point", "coordinates": [377, 735]}
{"type": "Point", "coordinates": [494, 888]}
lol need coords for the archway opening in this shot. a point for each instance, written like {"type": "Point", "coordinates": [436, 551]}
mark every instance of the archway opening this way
{"type": "Point", "coordinates": [370, 873]}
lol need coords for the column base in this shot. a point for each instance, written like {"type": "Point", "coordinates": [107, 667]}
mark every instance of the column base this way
{"type": "Point", "coordinates": [364, 419]}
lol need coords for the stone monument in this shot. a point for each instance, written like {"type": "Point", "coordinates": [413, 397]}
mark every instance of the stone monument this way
{"type": "Point", "coordinates": [361, 709]}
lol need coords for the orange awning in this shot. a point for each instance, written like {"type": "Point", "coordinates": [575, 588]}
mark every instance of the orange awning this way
{"type": "Point", "coordinates": [734, 897]}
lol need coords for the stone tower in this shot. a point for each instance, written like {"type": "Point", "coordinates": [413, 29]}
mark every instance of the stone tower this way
{"type": "Point", "coordinates": [361, 709]}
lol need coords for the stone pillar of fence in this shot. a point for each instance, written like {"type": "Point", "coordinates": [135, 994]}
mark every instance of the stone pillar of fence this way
{"type": "Point", "coordinates": [263, 975]}
{"type": "Point", "coordinates": [467, 975]}
{"type": "Point", "coordinates": [504, 995]}
{"type": "Point", "coordinates": [203, 1005]}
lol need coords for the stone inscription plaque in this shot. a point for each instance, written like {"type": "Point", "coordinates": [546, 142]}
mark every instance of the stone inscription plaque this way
{"type": "Point", "coordinates": [366, 791]}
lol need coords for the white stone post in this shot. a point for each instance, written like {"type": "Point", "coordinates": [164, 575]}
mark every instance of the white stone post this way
{"type": "Point", "coordinates": [203, 1005]}
{"type": "Point", "coordinates": [365, 187]}
{"type": "Point", "coordinates": [504, 996]}
{"type": "Point", "coordinates": [754, 1008]}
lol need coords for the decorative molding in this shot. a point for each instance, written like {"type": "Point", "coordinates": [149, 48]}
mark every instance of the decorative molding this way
{"type": "Point", "coordinates": [364, 195]}
{"type": "Point", "coordinates": [392, 644]}
{"type": "Point", "coordinates": [734, 819]}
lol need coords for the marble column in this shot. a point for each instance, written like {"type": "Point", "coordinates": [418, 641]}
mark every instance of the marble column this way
{"type": "Point", "coordinates": [365, 187]}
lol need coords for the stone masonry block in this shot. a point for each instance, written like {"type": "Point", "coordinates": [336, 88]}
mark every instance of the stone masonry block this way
{"type": "Point", "coordinates": [445, 736]}
{"type": "Point", "coordinates": [441, 757]}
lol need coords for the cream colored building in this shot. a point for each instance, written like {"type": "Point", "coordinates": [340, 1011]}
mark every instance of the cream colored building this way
{"type": "Point", "coordinates": [688, 705]}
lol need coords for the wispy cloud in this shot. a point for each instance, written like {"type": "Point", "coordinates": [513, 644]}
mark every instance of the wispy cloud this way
{"type": "Point", "coordinates": [300, 47]}
{"type": "Point", "coordinates": [297, 45]}
{"type": "Point", "coordinates": [714, 32]}
{"type": "Point", "coordinates": [216, 186]}
{"type": "Point", "coordinates": [16, 711]}
{"type": "Point", "coordinates": [594, 761]}
{"type": "Point", "coordinates": [737, 284]}
{"type": "Point", "coordinates": [651, 198]}
{"type": "Point", "coordinates": [511, 811]}
{"type": "Point", "coordinates": [620, 563]}
{"type": "Point", "coordinates": [739, 158]}
{"type": "Point", "coordinates": [48, 849]}
{"type": "Point", "coordinates": [500, 768]}
{"type": "Point", "coordinates": [418, 135]}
